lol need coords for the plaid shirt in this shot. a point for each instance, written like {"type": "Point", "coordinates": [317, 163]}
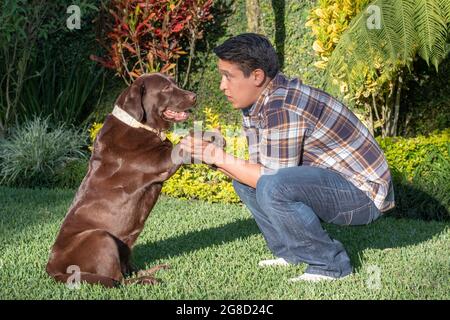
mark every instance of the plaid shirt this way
{"type": "Point", "coordinates": [292, 124]}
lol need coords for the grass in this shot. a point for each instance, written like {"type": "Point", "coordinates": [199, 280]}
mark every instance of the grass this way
{"type": "Point", "coordinates": [213, 251]}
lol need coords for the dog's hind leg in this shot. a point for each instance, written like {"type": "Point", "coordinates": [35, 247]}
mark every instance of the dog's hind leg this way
{"type": "Point", "coordinates": [93, 256]}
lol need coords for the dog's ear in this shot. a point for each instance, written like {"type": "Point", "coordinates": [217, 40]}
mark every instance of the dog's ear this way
{"type": "Point", "coordinates": [132, 100]}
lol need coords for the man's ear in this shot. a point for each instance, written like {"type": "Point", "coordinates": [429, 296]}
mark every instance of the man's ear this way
{"type": "Point", "coordinates": [259, 77]}
{"type": "Point", "coordinates": [133, 100]}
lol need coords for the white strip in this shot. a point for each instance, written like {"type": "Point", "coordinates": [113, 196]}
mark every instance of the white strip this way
{"type": "Point", "coordinates": [126, 118]}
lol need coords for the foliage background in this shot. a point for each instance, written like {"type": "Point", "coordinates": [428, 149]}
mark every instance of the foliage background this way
{"type": "Point", "coordinates": [425, 107]}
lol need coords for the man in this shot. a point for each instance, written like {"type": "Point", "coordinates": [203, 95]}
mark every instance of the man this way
{"type": "Point", "coordinates": [312, 158]}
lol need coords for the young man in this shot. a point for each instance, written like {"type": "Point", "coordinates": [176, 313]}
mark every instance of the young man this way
{"type": "Point", "coordinates": [312, 158]}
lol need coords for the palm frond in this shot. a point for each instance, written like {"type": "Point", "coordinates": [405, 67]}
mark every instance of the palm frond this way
{"type": "Point", "coordinates": [408, 27]}
{"type": "Point", "coordinates": [431, 25]}
{"type": "Point", "coordinates": [445, 4]}
{"type": "Point", "coordinates": [396, 20]}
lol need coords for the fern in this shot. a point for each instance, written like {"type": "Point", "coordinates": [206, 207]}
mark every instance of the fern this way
{"type": "Point", "coordinates": [446, 9]}
{"type": "Point", "coordinates": [402, 26]}
{"type": "Point", "coordinates": [408, 28]}
{"type": "Point", "coordinates": [431, 24]}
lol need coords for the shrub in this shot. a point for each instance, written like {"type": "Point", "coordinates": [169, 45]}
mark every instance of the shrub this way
{"type": "Point", "coordinates": [370, 64]}
{"type": "Point", "coordinates": [34, 151]}
{"type": "Point", "coordinates": [427, 194]}
{"type": "Point", "coordinates": [93, 131]}
{"type": "Point", "coordinates": [420, 168]}
{"type": "Point", "coordinates": [147, 36]}
{"type": "Point", "coordinates": [71, 174]}
{"type": "Point", "coordinates": [28, 30]}
{"type": "Point", "coordinates": [64, 96]}
{"type": "Point", "coordinates": [284, 23]}
{"type": "Point", "coordinates": [328, 21]}
{"type": "Point", "coordinates": [408, 154]}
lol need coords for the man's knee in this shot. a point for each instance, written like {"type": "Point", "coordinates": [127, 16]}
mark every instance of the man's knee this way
{"type": "Point", "coordinates": [268, 189]}
{"type": "Point", "coordinates": [243, 190]}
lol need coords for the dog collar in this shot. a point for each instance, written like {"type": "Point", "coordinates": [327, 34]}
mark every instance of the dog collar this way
{"type": "Point", "coordinates": [126, 118]}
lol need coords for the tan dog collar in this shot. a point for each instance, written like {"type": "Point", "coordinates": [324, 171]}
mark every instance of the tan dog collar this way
{"type": "Point", "coordinates": [126, 118]}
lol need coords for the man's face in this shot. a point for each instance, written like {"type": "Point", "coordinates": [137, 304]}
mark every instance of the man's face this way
{"type": "Point", "coordinates": [242, 92]}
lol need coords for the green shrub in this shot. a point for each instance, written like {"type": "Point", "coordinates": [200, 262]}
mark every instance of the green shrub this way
{"type": "Point", "coordinates": [63, 96]}
{"type": "Point", "coordinates": [420, 168]}
{"type": "Point", "coordinates": [71, 174]}
{"type": "Point", "coordinates": [31, 35]}
{"type": "Point", "coordinates": [34, 151]}
{"type": "Point", "coordinates": [229, 20]}
{"type": "Point", "coordinates": [427, 195]}
{"type": "Point", "coordinates": [427, 100]}
{"type": "Point", "coordinates": [407, 154]}
{"type": "Point", "coordinates": [199, 181]}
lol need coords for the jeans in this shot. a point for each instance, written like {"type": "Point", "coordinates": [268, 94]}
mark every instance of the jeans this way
{"type": "Point", "coordinates": [288, 207]}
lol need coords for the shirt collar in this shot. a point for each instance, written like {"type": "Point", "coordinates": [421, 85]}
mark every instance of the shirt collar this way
{"type": "Point", "coordinates": [275, 83]}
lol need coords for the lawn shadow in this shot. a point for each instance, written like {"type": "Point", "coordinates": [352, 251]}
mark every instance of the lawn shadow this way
{"type": "Point", "coordinates": [387, 232]}
{"type": "Point", "coordinates": [193, 241]}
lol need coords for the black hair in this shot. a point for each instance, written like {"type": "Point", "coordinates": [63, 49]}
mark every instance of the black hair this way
{"type": "Point", "coordinates": [250, 51]}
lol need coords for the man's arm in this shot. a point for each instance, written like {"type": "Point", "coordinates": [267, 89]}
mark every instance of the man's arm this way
{"type": "Point", "coordinates": [238, 169]}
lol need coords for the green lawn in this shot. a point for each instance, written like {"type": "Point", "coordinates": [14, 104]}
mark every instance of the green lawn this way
{"type": "Point", "coordinates": [213, 251]}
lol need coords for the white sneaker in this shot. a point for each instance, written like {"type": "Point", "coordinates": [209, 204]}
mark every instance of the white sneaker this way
{"type": "Point", "coordinates": [310, 277]}
{"type": "Point", "coordinates": [273, 262]}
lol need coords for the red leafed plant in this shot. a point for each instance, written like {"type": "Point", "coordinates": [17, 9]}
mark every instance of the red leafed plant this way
{"type": "Point", "coordinates": [147, 35]}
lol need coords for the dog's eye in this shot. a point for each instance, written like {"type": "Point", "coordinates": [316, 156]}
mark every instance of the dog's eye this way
{"type": "Point", "coordinates": [167, 88]}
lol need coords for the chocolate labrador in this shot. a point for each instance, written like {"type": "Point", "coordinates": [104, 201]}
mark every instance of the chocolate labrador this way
{"type": "Point", "coordinates": [130, 161]}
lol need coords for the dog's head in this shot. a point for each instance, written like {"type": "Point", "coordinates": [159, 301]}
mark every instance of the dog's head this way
{"type": "Point", "coordinates": [155, 100]}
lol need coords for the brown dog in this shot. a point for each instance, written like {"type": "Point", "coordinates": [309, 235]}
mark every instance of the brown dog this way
{"type": "Point", "coordinates": [130, 161]}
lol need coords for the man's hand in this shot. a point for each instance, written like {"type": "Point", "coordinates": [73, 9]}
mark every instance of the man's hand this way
{"type": "Point", "coordinates": [212, 153]}
{"type": "Point", "coordinates": [202, 150]}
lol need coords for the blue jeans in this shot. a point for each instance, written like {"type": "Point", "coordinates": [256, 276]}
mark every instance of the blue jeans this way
{"type": "Point", "coordinates": [289, 205]}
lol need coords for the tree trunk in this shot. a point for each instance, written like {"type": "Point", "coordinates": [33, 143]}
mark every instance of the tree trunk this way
{"type": "Point", "coordinates": [392, 108]}
{"type": "Point", "coordinates": [192, 42]}
{"type": "Point", "coordinates": [397, 105]}
{"type": "Point", "coordinates": [253, 13]}
{"type": "Point", "coordinates": [388, 117]}
{"type": "Point", "coordinates": [370, 126]}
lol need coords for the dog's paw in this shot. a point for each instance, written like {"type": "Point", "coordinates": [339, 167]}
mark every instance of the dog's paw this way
{"type": "Point", "coordinates": [144, 280]}
{"type": "Point", "coordinates": [150, 271]}
{"type": "Point", "coordinates": [148, 281]}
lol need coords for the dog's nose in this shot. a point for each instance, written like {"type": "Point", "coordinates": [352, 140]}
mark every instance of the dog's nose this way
{"type": "Point", "coordinates": [192, 97]}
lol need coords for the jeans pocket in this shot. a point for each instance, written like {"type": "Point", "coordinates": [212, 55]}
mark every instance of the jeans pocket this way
{"type": "Point", "coordinates": [360, 216]}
